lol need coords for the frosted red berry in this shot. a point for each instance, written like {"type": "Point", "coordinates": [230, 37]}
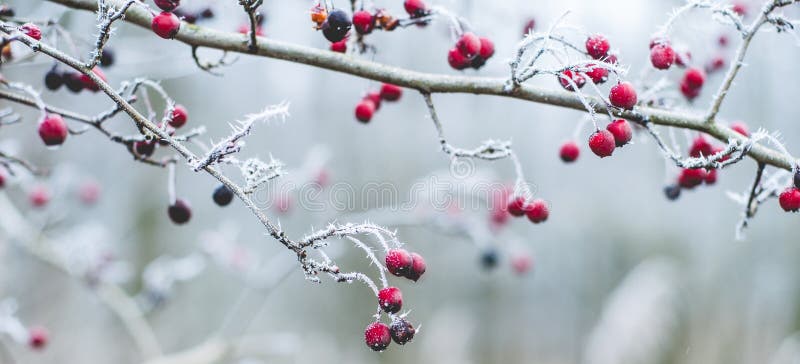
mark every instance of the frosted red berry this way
{"type": "Point", "coordinates": [398, 262]}
{"type": "Point", "coordinates": [418, 267]}
{"type": "Point", "coordinates": [711, 177]}
{"type": "Point", "coordinates": [623, 95]}
{"type": "Point", "coordinates": [790, 199]}
{"type": "Point", "coordinates": [694, 78]}
{"type": "Point", "coordinates": [598, 75]}
{"type": "Point", "coordinates": [363, 21]}
{"type": "Point", "coordinates": [457, 60]}
{"type": "Point", "coordinates": [402, 331]}
{"type": "Point", "coordinates": [567, 75]}
{"type": "Point", "coordinates": [377, 336]}
{"type": "Point", "coordinates": [31, 30]}
{"type": "Point", "coordinates": [740, 8]}
{"type": "Point", "coordinates": [391, 92]}
{"type": "Point", "coordinates": [662, 56]}
{"type": "Point", "coordinates": [689, 92]}
{"type": "Point", "coordinates": [167, 5]}
{"type": "Point", "coordinates": [740, 128]}
{"type": "Point", "coordinates": [179, 116]}
{"type": "Point", "coordinates": [701, 147]}
{"type": "Point", "coordinates": [538, 212]}
{"type": "Point", "coordinates": [38, 337]}
{"type": "Point", "coordinates": [390, 299]}
{"type": "Point", "coordinates": [621, 130]}
{"type": "Point", "coordinates": [597, 46]}
{"type": "Point", "coordinates": [569, 152]}
{"type": "Point", "coordinates": [416, 8]}
{"type": "Point", "coordinates": [602, 143]}
{"type": "Point", "coordinates": [364, 111]}
{"type": "Point", "coordinates": [530, 25]}
{"type": "Point", "coordinates": [144, 148]}
{"type": "Point", "coordinates": [39, 196]}
{"type": "Point", "coordinates": [518, 206]}
{"type": "Point", "coordinates": [179, 212]}
{"type": "Point", "coordinates": [469, 45]}
{"type": "Point", "coordinates": [691, 178]}
{"type": "Point", "coordinates": [166, 25]}
{"type": "Point", "coordinates": [53, 130]}
{"type": "Point", "coordinates": [2, 178]}
{"type": "Point", "coordinates": [340, 46]}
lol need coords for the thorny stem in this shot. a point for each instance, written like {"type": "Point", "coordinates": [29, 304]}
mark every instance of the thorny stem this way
{"type": "Point", "coordinates": [432, 83]}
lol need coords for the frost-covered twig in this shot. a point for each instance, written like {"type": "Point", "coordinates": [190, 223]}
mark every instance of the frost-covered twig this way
{"type": "Point", "coordinates": [106, 16]}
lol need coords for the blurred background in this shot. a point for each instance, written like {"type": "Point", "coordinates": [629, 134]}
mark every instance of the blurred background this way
{"type": "Point", "coordinates": [620, 274]}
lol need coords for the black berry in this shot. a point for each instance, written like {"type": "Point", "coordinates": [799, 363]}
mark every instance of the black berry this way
{"type": "Point", "coordinates": [223, 195]}
{"type": "Point", "coordinates": [73, 81]}
{"type": "Point", "coordinates": [672, 192]}
{"type": "Point", "coordinates": [797, 179]}
{"type": "Point", "coordinates": [402, 331]}
{"type": "Point", "coordinates": [107, 58]}
{"type": "Point", "coordinates": [336, 27]}
{"type": "Point", "coordinates": [180, 212]}
{"type": "Point", "coordinates": [53, 79]}
{"type": "Point", "coordinates": [489, 259]}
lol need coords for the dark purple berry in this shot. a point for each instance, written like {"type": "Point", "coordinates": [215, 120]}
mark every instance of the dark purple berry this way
{"type": "Point", "coordinates": [672, 192]}
{"type": "Point", "coordinates": [180, 212]}
{"type": "Point", "coordinates": [336, 27]}
{"type": "Point", "coordinates": [107, 58]}
{"type": "Point", "coordinates": [223, 195]}
{"type": "Point", "coordinates": [73, 81]}
{"type": "Point", "coordinates": [402, 331]}
{"type": "Point", "coordinates": [53, 79]}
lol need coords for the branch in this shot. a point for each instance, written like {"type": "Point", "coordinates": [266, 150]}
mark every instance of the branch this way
{"type": "Point", "coordinates": [432, 83]}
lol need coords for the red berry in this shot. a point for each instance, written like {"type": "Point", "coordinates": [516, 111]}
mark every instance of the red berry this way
{"type": "Point", "coordinates": [364, 111]}
{"type": "Point", "coordinates": [711, 177]}
{"type": "Point", "coordinates": [37, 337]}
{"type": "Point", "coordinates": [701, 147]}
{"type": "Point", "coordinates": [39, 196]}
{"type": "Point", "coordinates": [576, 78]}
{"type": "Point", "coordinates": [598, 74]}
{"type": "Point", "coordinates": [179, 116]}
{"type": "Point", "coordinates": [790, 199]}
{"type": "Point", "coordinates": [597, 46]}
{"type": "Point", "coordinates": [166, 25]}
{"type": "Point", "coordinates": [377, 336]}
{"type": "Point", "coordinates": [740, 128]}
{"type": "Point", "coordinates": [569, 152]}
{"type": "Point", "coordinates": [602, 143]}
{"type": "Point", "coordinates": [391, 92]}
{"type": "Point", "coordinates": [518, 206]}
{"type": "Point", "coordinates": [538, 212]}
{"type": "Point", "coordinates": [88, 83]}
{"type": "Point", "coordinates": [340, 46]}
{"type": "Point", "coordinates": [398, 262]}
{"type": "Point", "coordinates": [31, 30]}
{"type": "Point", "coordinates": [180, 212]}
{"type": "Point", "coordinates": [659, 41]}
{"type": "Point", "coordinates": [89, 192]}
{"type": "Point", "coordinates": [375, 98]}
{"type": "Point", "coordinates": [694, 78]}
{"type": "Point", "coordinates": [662, 56]}
{"type": "Point", "coordinates": [740, 8]}
{"type": "Point", "coordinates": [521, 263]}
{"type": "Point", "coordinates": [689, 92]}
{"type": "Point", "coordinates": [530, 25]}
{"type": "Point", "coordinates": [53, 130]}
{"type": "Point", "coordinates": [469, 45]}
{"type": "Point", "coordinates": [167, 5]}
{"type": "Point", "coordinates": [621, 130]}
{"type": "Point", "coordinates": [611, 58]}
{"type": "Point", "coordinates": [363, 21]}
{"type": "Point", "coordinates": [416, 8]}
{"type": "Point", "coordinates": [144, 148]}
{"type": "Point", "coordinates": [2, 178]}
{"type": "Point", "coordinates": [487, 48]}
{"type": "Point", "coordinates": [691, 178]}
{"type": "Point", "coordinates": [402, 331]}
{"type": "Point", "coordinates": [623, 95]}
{"type": "Point", "coordinates": [457, 60]}
{"type": "Point", "coordinates": [683, 58]}
{"type": "Point", "coordinates": [418, 267]}
{"type": "Point", "coordinates": [390, 299]}
{"type": "Point", "coordinates": [717, 63]}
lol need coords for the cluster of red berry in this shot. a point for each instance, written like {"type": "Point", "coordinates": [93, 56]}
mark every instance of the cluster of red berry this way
{"type": "Point", "coordinates": [366, 108]}
{"type": "Point", "coordinates": [789, 199]}
{"type": "Point", "coordinates": [470, 51]}
{"type": "Point", "coordinates": [378, 335]}
{"type": "Point", "coordinates": [537, 210]}
{"type": "Point", "coordinates": [166, 24]}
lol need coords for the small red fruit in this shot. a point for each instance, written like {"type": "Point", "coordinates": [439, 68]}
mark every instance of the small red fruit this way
{"type": "Point", "coordinates": [790, 199]}
{"type": "Point", "coordinates": [691, 178]}
{"type": "Point", "coordinates": [701, 147]}
{"type": "Point", "coordinates": [689, 92]}
{"type": "Point", "coordinates": [2, 178]}
{"type": "Point", "coordinates": [530, 25]}
{"type": "Point", "coordinates": [39, 196]}
{"type": "Point", "coordinates": [621, 130]}
{"type": "Point", "coordinates": [88, 83]}
{"type": "Point", "coordinates": [711, 177]}
{"type": "Point", "coordinates": [469, 45]}
{"type": "Point", "coordinates": [402, 331]}
{"type": "Point", "coordinates": [623, 95]}
{"type": "Point", "coordinates": [180, 212]}
{"type": "Point", "coordinates": [740, 128]}
{"type": "Point", "coordinates": [390, 299]}
{"type": "Point", "coordinates": [487, 48]}
{"type": "Point", "coordinates": [518, 206]}
{"type": "Point", "coordinates": [521, 263]}
{"type": "Point", "coordinates": [167, 5]}
{"type": "Point", "coordinates": [144, 148]}
{"type": "Point", "coordinates": [340, 46]}
{"type": "Point", "coordinates": [166, 25]}
{"type": "Point", "coordinates": [398, 262]}
{"type": "Point", "coordinates": [598, 75]}
{"type": "Point", "coordinates": [597, 46]}
{"type": "Point", "coordinates": [391, 92]}
{"type": "Point", "coordinates": [662, 56]}
{"type": "Point", "coordinates": [576, 78]}
{"type": "Point", "coordinates": [364, 111]}
{"type": "Point", "coordinates": [694, 78]}
{"type": "Point", "coordinates": [602, 143]}
{"type": "Point", "coordinates": [53, 130]}
{"type": "Point", "coordinates": [363, 21]}
{"type": "Point", "coordinates": [457, 60]}
{"type": "Point", "coordinates": [37, 337]}
{"type": "Point", "coordinates": [569, 152]}
{"type": "Point", "coordinates": [418, 267]}
{"type": "Point", "coordinates": [89, 192]}
{"type": "Point", "coordinates": [717, 63]}
{"type": "Point", "coordinates": [416, 8]}
{"type": "Point", "coordinates": [31, 30]}
{"type": "Point", "coordinates": [740, 8]}
{"type": "Point", "coordinates": [179, 116]}
{"type": "Point", "coordinates": [375, 97]}
{"type": "Point", "coordinates": [538, 211]}
{"type": "Point", "coordinates": [377, 336]}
